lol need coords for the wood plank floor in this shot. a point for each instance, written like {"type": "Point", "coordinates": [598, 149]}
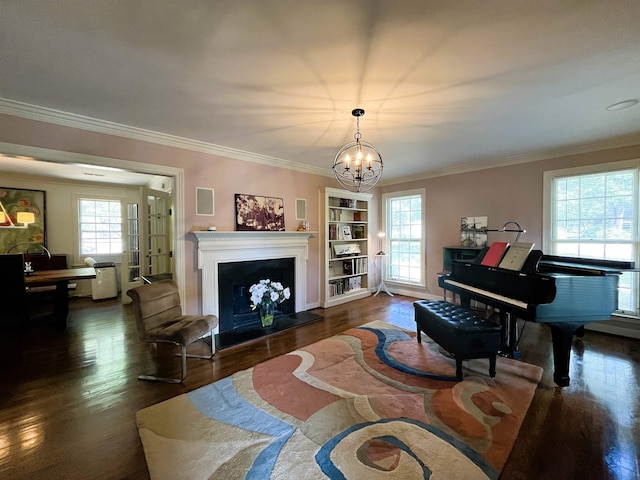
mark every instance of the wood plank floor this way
{"type": "Point", "coordinates": [68, 399]}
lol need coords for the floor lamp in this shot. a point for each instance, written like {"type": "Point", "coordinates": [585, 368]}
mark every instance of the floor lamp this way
{"type": "Point", "coordinates": [381, 255]}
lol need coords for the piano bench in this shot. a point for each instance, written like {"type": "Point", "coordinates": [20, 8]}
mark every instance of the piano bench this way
{"type": "Point", "coordinates": [459, 331]}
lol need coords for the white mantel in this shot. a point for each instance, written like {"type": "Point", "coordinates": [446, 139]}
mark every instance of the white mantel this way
{"type": "Point", "coordinates": [216, 247]}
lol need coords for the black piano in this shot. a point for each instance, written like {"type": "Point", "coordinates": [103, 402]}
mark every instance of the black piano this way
{"type": "Point", "coordinates": [565, 293]}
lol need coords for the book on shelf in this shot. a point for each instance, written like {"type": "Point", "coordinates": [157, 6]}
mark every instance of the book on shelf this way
{"type": "Point", "coordinates": [336, 288]}
{"type": "Point", "coordinates": [360, 265]}
{"type": "Point", "coordinates": [345, 232]}
{"type": "Point", "coordinates": [494, 254]}
{"type": "Point", "coordinates": [333, 232]}
{"type": "Point", "coordinates": [516, 256]}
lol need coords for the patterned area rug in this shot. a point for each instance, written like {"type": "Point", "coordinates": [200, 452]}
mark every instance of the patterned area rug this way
{"type": "Point", "coordinates": [370, 403]}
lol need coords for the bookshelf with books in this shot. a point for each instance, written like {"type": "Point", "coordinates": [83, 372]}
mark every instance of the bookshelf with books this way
{"type": "Point", "coordinates": [345, 259]}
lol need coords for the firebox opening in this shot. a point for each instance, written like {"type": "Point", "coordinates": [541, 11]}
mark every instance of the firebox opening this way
{"type": "Point", "coordinates": [234, 280]}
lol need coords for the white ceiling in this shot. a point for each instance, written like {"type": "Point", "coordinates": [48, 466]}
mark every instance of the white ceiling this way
{"type": "Point", "coordinates": [445, 84]}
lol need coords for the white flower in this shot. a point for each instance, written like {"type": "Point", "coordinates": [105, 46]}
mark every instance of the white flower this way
{"type": "Point", "coordinates": [266, 291]}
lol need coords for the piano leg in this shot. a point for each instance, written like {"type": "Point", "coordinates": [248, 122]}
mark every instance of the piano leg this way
{"type": "Point", "coordinates": [562, 337]}
{"type": "Point", "coordinates": [509, 335]}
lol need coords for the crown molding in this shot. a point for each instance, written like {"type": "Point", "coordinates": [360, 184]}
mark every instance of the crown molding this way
{"type": "Point", "coordinates": [58, 117]}
{"type": "Point", "coordinates": [609, 144]}
{"type": "Point", "coordinates": [66, 119]}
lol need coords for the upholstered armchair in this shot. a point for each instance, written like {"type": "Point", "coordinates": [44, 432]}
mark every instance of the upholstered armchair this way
{"type": "Point", "coordinates": [159, 318]}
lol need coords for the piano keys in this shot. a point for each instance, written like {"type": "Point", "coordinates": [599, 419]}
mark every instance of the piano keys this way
{"type": "Point", "coordinates": [565, 293]}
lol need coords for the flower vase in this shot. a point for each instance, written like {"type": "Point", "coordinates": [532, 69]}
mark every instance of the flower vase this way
{"type": "Point", "coordinates": [266, 313]}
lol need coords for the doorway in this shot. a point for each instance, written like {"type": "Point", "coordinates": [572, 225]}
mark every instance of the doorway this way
{"type": "Point", "coordinates": [54, 163]}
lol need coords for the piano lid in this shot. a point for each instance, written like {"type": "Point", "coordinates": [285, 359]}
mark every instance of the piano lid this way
{"type": "Point", "coordinates": [582, 266]}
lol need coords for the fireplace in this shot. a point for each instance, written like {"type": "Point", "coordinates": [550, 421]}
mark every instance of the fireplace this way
{"type": "Point", "coordinates": [234, 280]}
{"type": "Point", "coordinates": [220, 250]}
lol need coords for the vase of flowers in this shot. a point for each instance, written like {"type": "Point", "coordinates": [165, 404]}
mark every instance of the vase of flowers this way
{"type": "Point", "coordinates": [264, 296]}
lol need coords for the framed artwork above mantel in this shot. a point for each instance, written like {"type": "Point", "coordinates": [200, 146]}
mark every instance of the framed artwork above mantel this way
{"type": "Point", "coordinates": [14, 200]}
{"type": "Point", "coordinates": [255, 212]}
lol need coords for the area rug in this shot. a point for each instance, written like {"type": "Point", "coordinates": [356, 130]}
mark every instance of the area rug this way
{"type": "Point", "coordinates": [370, 403]}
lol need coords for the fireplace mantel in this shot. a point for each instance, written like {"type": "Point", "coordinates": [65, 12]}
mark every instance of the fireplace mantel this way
{"type": "Point", "coordinates": [237, 246]}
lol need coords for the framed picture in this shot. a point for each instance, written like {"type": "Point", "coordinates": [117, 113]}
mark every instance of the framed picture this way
{"type": "Point", "coordinates": [13, 201]}
{"type": "Point", "coordinates": [345, 232]}
{"type": "Point", "coordinates": [254, 212]}
{"type": "Point", "coordinates": [358, 231]}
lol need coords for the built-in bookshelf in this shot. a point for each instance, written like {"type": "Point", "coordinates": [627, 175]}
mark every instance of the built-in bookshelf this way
{"type": "Point", "coordinates": [345, 272]}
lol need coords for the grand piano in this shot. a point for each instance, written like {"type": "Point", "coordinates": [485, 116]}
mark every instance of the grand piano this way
{"type": "Point", "coordinates": [565, 293]}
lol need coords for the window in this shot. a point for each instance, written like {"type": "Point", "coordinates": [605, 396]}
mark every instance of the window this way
{"type": "Point", "coordinates": [593, 213]}
{"type": "Point", "coordinates": [405, 236]}
{"type": "Point", "coordinates": [100, 226]}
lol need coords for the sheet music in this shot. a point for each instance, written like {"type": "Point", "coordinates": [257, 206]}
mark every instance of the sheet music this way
{"type": "Point", "coordinates": [486, 293]}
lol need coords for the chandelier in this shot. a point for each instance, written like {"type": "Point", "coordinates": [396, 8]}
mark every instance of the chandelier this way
{"type": "Point", "coordinates": [358, 165]}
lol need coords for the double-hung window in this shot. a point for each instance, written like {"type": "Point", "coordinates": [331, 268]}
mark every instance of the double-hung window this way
{"type": "Point", "coordinates": [592, 212]}
{"type": "Point", "coordinates": [403, 220]}
{"type": "Point", "coordinates": [100, 226]}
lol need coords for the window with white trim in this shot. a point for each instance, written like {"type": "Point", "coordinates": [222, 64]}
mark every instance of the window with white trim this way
{"type": "Point", "coordinates": [403, 220]}
{"type": "Point", "coordinates": [592, 212]}
{"type": "Point", "coordinates": [100, 226]}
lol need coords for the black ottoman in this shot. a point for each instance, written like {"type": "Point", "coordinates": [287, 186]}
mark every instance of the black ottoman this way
{"type": "Point", "coordinates": [459, 331]}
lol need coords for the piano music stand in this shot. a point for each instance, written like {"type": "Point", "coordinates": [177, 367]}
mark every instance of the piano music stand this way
{"type": "Point", "coordinates": [382, 287]}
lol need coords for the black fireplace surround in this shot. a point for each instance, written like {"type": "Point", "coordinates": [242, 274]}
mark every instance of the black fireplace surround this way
{"type": "Point", "coordinates": [234, 280]}
{"type": "Point", "coordinates": [237, 322]}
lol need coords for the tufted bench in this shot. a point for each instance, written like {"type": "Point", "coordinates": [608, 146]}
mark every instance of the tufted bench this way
{"type": "Point", "coordinates": [459, 331]}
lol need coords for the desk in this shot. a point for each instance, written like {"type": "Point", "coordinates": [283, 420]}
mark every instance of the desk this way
{"type": "Point", "coordinates": [60, 278]}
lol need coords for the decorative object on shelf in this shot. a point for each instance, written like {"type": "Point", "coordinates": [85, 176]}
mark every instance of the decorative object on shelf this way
{"type": "Point", "coordinates": [346, 249]}
{"type": "Point", "coordinates": [255, 212]}
{"type": "Point", "coordinates": [21, 217]}
{"type": "Point", "coordinates": [348, 202]}
{"type": "Point", "coordinates": [473, 231]}
{"type": "Point", "coordinates": [357, 165]}
{"type": "Point", "coordinates": [264, 296]}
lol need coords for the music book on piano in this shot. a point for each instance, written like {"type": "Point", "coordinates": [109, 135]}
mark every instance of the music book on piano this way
{"type": "Point", "coordinates": [494, 254]}
{"type": "Point", "coordinates": [516, 256]}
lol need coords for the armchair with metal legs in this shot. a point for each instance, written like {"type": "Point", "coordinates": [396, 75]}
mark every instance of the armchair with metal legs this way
{"type": "Point", "coordinates": [159, 318]}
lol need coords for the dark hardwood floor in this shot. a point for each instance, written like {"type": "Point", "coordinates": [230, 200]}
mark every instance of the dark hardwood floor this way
{"type": "Point", "coordinates": [68, 399]}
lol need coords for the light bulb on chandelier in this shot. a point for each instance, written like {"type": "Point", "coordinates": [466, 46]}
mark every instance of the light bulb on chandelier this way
{"type": "Point", "coordinates": [358, 165]}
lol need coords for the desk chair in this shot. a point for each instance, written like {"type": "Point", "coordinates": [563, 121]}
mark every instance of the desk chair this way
{"type": "Point", "coordinates": [159, 318]}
